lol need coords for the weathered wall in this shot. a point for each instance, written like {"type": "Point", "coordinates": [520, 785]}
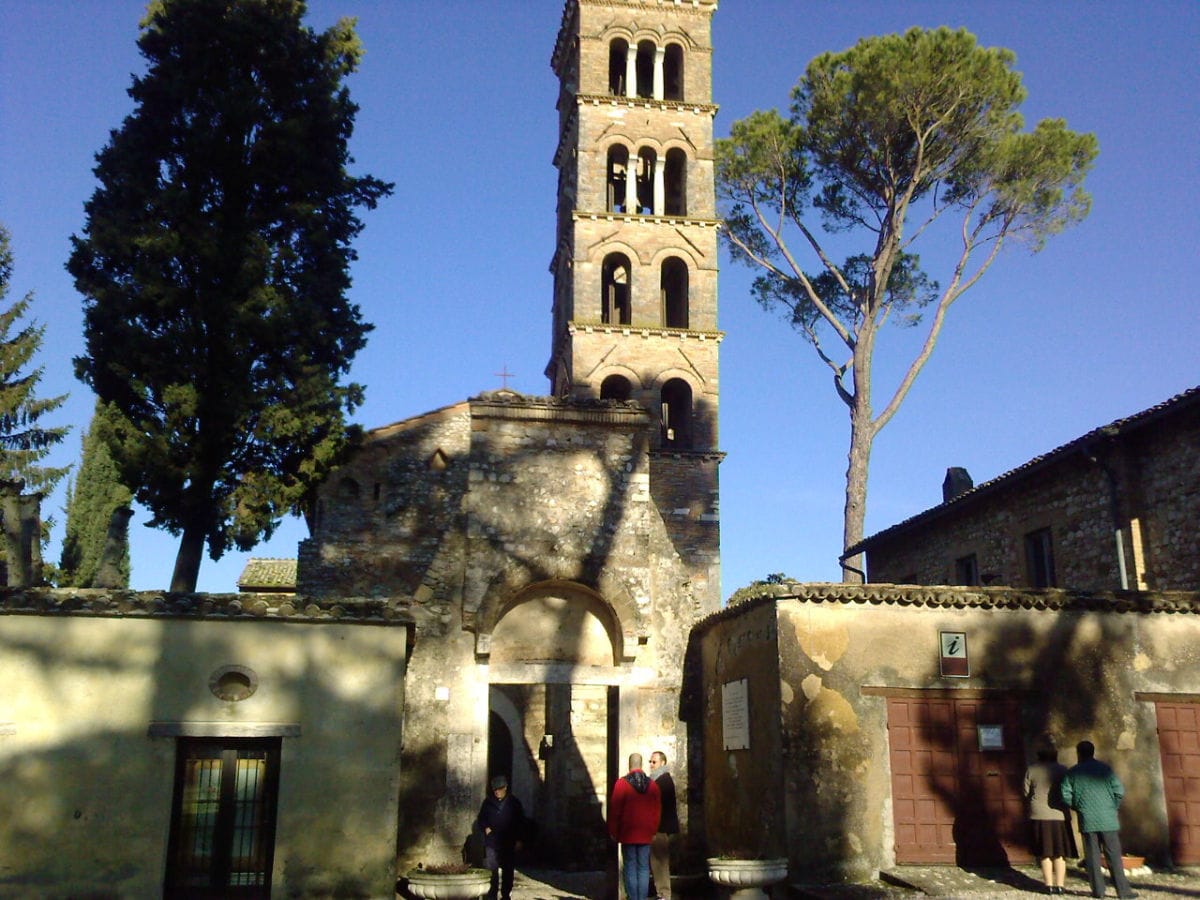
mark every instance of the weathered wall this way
{"type": "Point", "coordinates": [1084, 665]}
{"type": "Point", "coordinates": [526, 540]}
{"type": "Point", "coordinates": [1155, 470]}
{"type": "Point", "coordinates": [87, 801]}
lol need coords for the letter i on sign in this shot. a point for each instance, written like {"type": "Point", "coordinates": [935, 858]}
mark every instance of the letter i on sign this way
{"type": "Point", "coordinates": [954, 654]}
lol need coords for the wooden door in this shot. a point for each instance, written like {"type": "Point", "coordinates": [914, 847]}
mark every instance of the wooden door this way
{"type": "Point", "coordinates": [1179, 746]}
{"type": "Point", "coordinates": [955, 801]}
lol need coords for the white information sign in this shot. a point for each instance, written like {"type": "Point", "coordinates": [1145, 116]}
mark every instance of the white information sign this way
{"type": "Point", "coordinates": [735, 715]}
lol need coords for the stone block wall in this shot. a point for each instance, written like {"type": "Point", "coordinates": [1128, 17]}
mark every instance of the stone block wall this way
{"type": "Point", "coordinates": [1147, 477]}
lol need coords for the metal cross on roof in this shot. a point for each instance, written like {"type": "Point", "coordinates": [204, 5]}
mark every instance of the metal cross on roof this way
{"type": "Point", "coordinates": [505, 375]}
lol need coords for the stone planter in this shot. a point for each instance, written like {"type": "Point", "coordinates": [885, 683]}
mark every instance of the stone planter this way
{"type": "Point", "coordinates": [467, 885]}
{"type": "Point", "coordinates": [746, 878]}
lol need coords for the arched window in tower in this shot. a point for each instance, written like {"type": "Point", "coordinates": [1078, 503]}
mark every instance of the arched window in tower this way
{"type": "Point", "coordinates": [646, 52]}
{"type": "Point", "coordinates": [676, 182]}
{"type": "Point", "coordinates": [616, 387]}
{"type": "Point", "coordinates": [673, 73]}
{"type": "Point", "coordinates": [618, 53]}
{"type": "Point", "coordinates": [674, 287]}
{"type": "Point", "coordinates": [647, 164]}
{"type": "Point", "coordinates": [615, 308]}
{"type": "Point", "coordinates": [615, 181]}
{"type": "Point", "coordinates": [677, 414]}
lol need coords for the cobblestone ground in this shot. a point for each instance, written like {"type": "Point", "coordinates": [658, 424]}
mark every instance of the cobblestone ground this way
{"type": "Point", "coordinates": [909, 882]}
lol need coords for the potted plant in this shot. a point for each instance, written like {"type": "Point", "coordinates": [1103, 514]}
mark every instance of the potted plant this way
{"type": "Point", "coordinates": [448, 881]}
{"type": "Point", "coordinates": [746, 874]}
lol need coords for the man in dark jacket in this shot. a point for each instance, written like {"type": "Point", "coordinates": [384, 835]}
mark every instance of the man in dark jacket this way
{"type": "Point", "coordinates": [502, 821]}
{"type": "Point", "coordinates": [633, 815]}
{"type": "Point", "coordinates": [668, 824]}
{"type": "Point", "coordinates": [1094, 791]}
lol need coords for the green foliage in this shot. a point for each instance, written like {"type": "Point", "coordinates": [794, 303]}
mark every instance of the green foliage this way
{"type": "Point", "coordinates": [215, 265]}
{"type": "Point", "coordinates": [24, 441]}
{"type": "Point", "coordinates": [884, 140]}
{"type": "Point", "coordinates": [96, 493]}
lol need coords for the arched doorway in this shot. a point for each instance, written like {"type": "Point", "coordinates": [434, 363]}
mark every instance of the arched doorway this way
{"type": "Point", "coordinates": [554, 705]}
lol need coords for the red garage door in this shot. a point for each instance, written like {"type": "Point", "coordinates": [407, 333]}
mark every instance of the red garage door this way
{"type": "Point", "coordinates": [957, 766]}
{"type": "Point", "coordinates": [1179, 744]}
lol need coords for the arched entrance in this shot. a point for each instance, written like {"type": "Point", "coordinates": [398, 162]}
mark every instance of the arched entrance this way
{"type": "Point", "coordinates": [554, 697]}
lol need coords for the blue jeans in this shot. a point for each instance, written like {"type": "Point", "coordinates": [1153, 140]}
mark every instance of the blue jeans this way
{"type": "Point", "coordinates": [635, 858]}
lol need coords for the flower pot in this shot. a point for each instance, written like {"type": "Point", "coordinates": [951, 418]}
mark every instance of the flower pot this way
{"type": "Point", "coordinates": [746, 878]}
{"type": "Point", "coordinates": [467, 885]}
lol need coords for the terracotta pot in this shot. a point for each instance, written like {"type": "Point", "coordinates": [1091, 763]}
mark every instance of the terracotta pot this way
{"type": "Point", "coordinates": [467, 885]}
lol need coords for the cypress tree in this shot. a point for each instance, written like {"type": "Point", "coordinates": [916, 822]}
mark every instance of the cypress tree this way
{"type": "Point", "coordinates": [91, 500]}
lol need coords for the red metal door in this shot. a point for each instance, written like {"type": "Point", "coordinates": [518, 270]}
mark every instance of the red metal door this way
{"type": "Point", "coordinates": [1179, 746]}
{"type": "Point", "coordinates": [955, 801]}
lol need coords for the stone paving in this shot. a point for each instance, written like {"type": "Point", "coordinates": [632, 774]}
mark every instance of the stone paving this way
{"type": "Point", "coordinates": [905, 882]}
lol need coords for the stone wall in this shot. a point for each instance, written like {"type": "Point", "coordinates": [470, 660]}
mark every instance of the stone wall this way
{"type": "Point", "coordinates": [1152, 474]}
{"type": "Point", "coordinates": [543, 551]}
{"type": "Point", "coordinates": [821, 660]}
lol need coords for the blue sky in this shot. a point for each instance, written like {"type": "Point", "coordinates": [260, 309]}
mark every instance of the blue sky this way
{"type": "Point", "coordinates": [457, 107]}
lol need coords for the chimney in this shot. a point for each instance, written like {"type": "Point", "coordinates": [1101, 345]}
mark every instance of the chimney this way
{"type": "Point", "coordinates": [958, 481]}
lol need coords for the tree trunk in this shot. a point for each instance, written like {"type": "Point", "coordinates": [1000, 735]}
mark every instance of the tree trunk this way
{"type": "Point", "coordinates": [187, 561]}
{"type": "Point", "coordinates": [859, 458]}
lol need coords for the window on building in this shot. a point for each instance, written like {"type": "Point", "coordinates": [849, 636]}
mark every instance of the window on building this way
{"type": "Point", "coordinates": [966, 570]}
{"type": "Point", "coordinates": [676, 182]}
{"type": "Point", "coordinates": [618, 52]}
{"type": "Point", "coordinates": [615, 387]}
{"type": "Point", "coordinates": [222, 841]}
{"type": "Point", "coordinates": [677, 414]}
{"type": "Point", "coordinates": [646, 51]}
{"type": "Point", "coordinates": [617, 173]}
{"type": "Point", "coordinates": [674, 287]}
{"type": "Point", "coordinates": [673, 73]}
{"type": "Point", "coordinates": [1039, 558]}
{"type": "Point", "coordinates": [615, 306]}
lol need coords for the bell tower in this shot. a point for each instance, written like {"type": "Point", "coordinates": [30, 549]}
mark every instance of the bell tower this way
{"type": "Point", "coordinates": [635, 264]}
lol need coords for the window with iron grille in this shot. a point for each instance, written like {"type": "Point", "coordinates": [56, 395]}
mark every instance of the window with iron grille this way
{"type": "Point", "coordinates": [223, 818]}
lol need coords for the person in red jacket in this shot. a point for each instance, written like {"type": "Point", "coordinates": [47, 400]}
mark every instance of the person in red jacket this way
{"type": "Point", "coordinates": [633, 815]}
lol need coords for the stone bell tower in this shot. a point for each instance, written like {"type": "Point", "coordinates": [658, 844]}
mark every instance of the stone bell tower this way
{"type": "Point", "coordinates": [635, 266]}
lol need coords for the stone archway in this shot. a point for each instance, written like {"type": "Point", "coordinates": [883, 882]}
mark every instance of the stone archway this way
{"type": "Point", "coordinates": [554, 680]}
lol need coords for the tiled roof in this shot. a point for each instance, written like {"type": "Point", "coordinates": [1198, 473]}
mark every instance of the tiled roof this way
{"type": "Point", "coordinates": [264, 574]}
{"type": "Point", "coordinates": [1180, 402]}
{"type": "Point", "coordinates": [956, 597]}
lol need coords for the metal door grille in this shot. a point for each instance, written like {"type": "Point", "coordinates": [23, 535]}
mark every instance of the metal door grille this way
{"type": "Point", "coordinates": [223, 820]}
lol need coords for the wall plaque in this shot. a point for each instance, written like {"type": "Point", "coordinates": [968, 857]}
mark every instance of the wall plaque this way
{"type": "Point", "coordinates": [735, 715]}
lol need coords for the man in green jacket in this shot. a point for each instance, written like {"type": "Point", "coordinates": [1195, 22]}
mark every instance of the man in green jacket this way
{"type": "Point", "coordinates": [1094, 791]}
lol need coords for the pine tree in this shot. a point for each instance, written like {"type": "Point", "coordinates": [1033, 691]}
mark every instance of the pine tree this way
{"type": "Point", "coordinates": [91, 500]}
{"type": "Point", "coordinates": [24, 443]}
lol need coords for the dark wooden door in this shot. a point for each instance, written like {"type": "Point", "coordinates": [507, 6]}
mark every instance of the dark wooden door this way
{"type": "Point", "coordinates": [956, 799]}
{"type": "Point", "coordinates": [1179, 746]}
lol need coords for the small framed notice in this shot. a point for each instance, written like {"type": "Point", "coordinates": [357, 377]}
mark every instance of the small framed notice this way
{"type": "Point", "coordinates": [735, 715]}
{"type": "Point", "coordinates": [955, 663]}
{"type": "Point", "coordinates": [991, 737]}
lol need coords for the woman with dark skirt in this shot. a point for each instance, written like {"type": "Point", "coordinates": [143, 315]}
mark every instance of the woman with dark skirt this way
{"type": "Point", "coordinates": [1053, 841]}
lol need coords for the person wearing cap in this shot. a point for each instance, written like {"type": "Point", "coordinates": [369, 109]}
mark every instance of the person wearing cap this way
{"type": "Point", "coordinates": [502, 820]}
